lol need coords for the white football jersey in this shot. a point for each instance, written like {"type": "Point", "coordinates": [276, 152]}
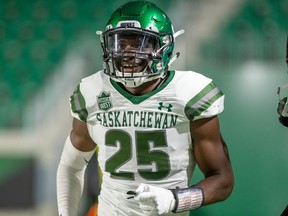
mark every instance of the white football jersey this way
{"type": "Point", "coordinates": [143, 139]}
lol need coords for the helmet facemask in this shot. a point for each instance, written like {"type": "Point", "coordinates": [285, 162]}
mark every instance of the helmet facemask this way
{"type": "Point", "coordinates": [134, 56]}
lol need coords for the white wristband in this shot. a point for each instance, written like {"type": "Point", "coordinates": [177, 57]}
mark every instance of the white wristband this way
{"type": "Point", "coordinates": [187, 198]}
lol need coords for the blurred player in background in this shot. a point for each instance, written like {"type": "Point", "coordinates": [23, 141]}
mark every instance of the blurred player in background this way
{"type": "Point", "coordinates": [283, 111]}
{"type": "Point", "coordinates": [283, 102]}
{"type": "Point", "coordinates": [152, 125]}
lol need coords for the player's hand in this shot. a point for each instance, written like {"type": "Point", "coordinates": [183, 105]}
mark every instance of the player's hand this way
{"type": "Point", "coordinates": [154, 200]}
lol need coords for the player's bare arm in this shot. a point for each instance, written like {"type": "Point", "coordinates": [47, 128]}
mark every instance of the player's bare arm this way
{"type": "Point", "coordinates": [80, 137]}
{"type": "Point", "coordinates": [212, 157]}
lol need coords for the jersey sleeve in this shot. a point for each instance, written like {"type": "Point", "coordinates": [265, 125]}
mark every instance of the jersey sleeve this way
{"type": "Point", "coordinates": [78, 105]}
{"type": "Point", "coordinates": [208, 102]}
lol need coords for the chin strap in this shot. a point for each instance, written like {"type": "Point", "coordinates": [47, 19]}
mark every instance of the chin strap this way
{"type": "Point", "coordinates": [176, 56]}
{"type": "Point", "coordinates": [176, 34]}
{"type": "Point", "coordinates": [98, 32]}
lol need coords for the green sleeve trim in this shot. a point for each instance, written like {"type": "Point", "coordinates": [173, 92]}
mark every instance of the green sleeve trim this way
{"type": "Point", "coordinates": [202, 101]}
{"type": "Point", "coordinates": [78, 104]}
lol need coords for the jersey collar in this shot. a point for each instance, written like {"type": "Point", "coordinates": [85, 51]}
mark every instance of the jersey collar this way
{"type": "Point", "coordinates": [138, 99]}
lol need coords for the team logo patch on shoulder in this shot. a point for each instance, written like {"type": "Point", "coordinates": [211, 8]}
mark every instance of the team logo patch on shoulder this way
{"type": "Point", "coordinates": [103, 100]}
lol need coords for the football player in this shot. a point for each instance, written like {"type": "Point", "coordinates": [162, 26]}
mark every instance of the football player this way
{"type": "Point", "coordinates": [152, 125]}
{"type": "Point", "coordinates": [282, 108]}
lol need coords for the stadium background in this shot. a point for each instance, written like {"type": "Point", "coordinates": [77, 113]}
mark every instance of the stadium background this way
{"type": "Point", "coordinates": [47, 46]}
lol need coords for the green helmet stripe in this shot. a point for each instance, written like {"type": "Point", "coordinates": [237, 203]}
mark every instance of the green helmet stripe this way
{"type": "Point", "coordinates": [202, 101]}
{"type": "Point", "coordinates": [78, 104]}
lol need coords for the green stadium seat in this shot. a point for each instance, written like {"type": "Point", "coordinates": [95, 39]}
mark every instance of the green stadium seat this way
{"type": "Point", "coordinates": [253, 33]}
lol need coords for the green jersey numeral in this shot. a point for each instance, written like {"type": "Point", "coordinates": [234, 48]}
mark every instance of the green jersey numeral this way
{"type": "Point", "coordinates": [153, 163]}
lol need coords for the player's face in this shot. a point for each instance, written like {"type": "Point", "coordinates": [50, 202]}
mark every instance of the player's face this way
{"type": "Point", "coordinates": [133, 51]}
